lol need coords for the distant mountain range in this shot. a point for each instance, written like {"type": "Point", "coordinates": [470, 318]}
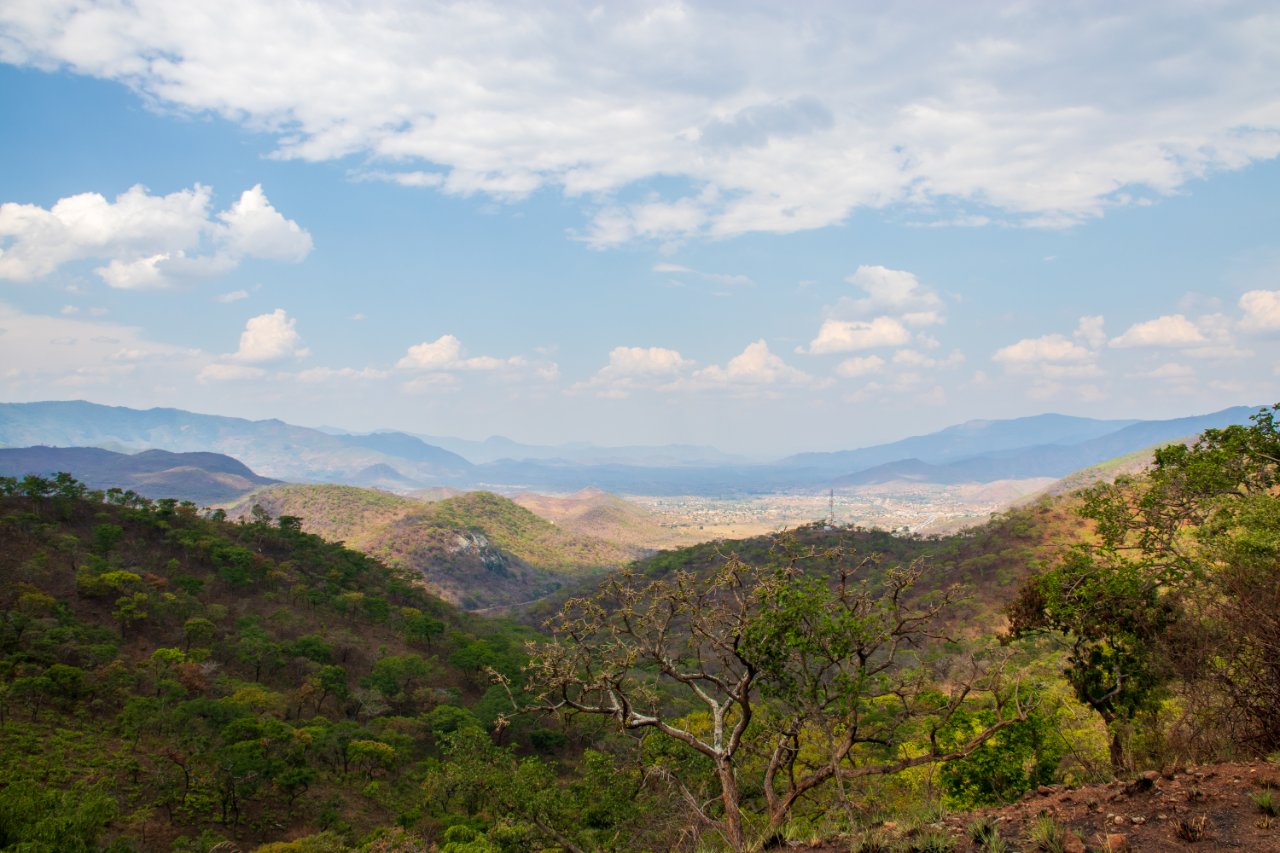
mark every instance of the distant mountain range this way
{"type": "Point", "coordinates": [205, 478]}
{"type": "Point", "coordinates": [975, 452]}
{"type": "Point", "coordinates": [1080, 448]}
{"type": "Point", "coordinates": [273, 448]}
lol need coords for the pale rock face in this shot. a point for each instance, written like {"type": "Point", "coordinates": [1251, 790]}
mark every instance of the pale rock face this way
{"type": "Point", "coordinates": [478, 544]}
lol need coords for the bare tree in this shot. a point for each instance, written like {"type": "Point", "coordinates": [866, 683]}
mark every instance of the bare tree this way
{"type": "Point", "coordinates": [818, 677]}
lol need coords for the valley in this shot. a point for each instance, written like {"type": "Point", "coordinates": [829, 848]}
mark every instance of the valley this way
{"type": "Point", "coordinates": [906, 507]}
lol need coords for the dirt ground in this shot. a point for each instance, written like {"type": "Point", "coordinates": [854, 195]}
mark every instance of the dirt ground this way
{"type": "Point", "coordinates": [1205, 808]}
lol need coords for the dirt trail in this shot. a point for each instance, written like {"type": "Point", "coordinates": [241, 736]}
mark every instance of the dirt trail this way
{"type": "Point", "coordinates": [1212, 804]}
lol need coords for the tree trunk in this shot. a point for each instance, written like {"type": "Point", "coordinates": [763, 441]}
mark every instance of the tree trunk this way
{"type": "Point", "coordinates": [1119, 766]}
{"type": "Point", "coordinates": [732, 807]}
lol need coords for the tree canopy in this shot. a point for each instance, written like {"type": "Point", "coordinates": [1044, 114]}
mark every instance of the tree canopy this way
{"type": "Point", "coordinates": [797, 679]}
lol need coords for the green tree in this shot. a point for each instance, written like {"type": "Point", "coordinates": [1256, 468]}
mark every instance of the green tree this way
{"type": "Point", "coordinates": [524, 802]}
{"type": "Point", "coordinates": [398, 677]}
{"type": "Point", "coordinates": [36, 819]}
{"type": "Point", "coordinates": [105, 538]}
{"type": "Point", "coordinates": [1015, 760]}
{"type": "Point", "coordinates": [131, 609]}
{"type": "Point", "coordinates": [1117, 616]}
{"type": "Point", "coordinates": [1180, 585]}
{"type": "Point", "coordinates": [198, 631]}
{"type": "Point", "coordinates": [806, 679]}
{"type": "Point", "coordinates": [329, 680]}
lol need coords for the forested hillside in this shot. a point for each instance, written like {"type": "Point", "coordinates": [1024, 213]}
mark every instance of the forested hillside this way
{"type": "Point", "coordinates": [169, 680]}
{"type": "Point", "coordinates": [476, 550]}
{"type": "Point", "coordinates": [988, 561]}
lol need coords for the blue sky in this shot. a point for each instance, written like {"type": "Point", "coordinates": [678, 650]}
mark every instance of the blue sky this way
{"type": "Point", "coordinates": [760, 226]}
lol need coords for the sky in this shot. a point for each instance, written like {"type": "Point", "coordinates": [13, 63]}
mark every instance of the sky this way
{"type": "Point", "coordinates": [766, 227]}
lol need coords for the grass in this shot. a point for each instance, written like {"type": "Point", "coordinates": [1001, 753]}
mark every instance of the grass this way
{"type": "Point", "coordinates": [929, 841]}
{"type": "Point", "coordinates": [1047, 835]}
{"type": "Point", "coordinates": [996, 844]}
{"type": "Point", "coordinates": [981, 829]}
{"type": "Point", "coordinates": [1266, 802]}
{"type": "Point", "coordinates": [872, 841]}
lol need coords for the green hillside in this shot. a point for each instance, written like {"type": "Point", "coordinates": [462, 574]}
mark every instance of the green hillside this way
{"type": "Point", "coordinates": [345, 514]}
{"type": "Point", "coordinates": [533, 539]}
{"type": "Point", "coordinates": [186, 678]}
{"type": "Point", "coordinates": [989, 561]}
{"type": "Point", "coordinates": [477, 550]}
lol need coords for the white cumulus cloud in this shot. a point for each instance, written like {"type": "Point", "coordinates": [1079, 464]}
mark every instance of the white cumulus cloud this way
{"type": "Point", "coordinates": [755, 365]}
{"type": "Point", "coordinates": [445, 354]}
{"type": "Point", "coordinates": [632, 369]}
{"type": "Point", "coordinates": [252, 228]}
{"type": "Point", "coordinates": [1171, 330]}
{"type": "Point", "coordinates": [1261, 311]}
{"type": "Point", "coordinates": [645, 361]}
{"type": "Point", "coordinates": [859, 366]}
{"type": "Point", "coordinates": [1050, 354]}
{"type": "Point", "coordinates": [892, 292]}
{"type": "Point", "coordinates": [1090, 330]}
{"type": "Point", "coordinates": [849, 335]}
{"type": "Point", "coordinates": [270, 337]}
{"type": "Point", "coordinates": [144, 240]}
{"type": "Point", "coordinates": [440, 354]}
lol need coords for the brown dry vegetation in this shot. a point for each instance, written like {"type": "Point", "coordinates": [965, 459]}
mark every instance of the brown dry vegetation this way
{"type": "Point", "coordinates": [1206, 808]}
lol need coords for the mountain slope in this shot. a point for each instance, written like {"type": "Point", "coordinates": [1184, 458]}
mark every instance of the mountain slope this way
{"type": "Point", "coordinates": [478, 550]}
{"type": "Point", "coordinates": [338, 513]}
{"type": "Point", "coordinates": [1048, 460]}
{"type": "Point", "coordinates": [240, 683]}
{"type": "Point", "coordinates": [989, 560]}
{"type": "Point", "coordinates": [973, 438]}
{"type": "Point", "coordinates": [595, 513]}
{"type": "Point", "coordinates": [275, 448]}
{"type": "Point", "coordinates": [205, 478]}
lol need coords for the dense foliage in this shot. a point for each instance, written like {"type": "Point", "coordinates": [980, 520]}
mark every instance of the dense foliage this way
{"type": "Point", "coordinates": [804, 680]}
{"type": "Point", "coordinates": [174, 677]}
{"type": "Point", "coordinates": [1178, 597]}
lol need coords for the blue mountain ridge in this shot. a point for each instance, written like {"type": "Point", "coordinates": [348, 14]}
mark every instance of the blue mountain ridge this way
{"type": "Point", "coordinates": [1049, 445]}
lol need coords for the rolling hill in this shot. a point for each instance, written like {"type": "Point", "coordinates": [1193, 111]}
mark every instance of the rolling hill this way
{"type": "Point", "coordinates": [598, 514]}
{"type": "Point", "coordinates": [204, 478]}
{"type": "Point", "coordinates": [149, 653]}
{"type": "Point", "coordinates": [478, 550]}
